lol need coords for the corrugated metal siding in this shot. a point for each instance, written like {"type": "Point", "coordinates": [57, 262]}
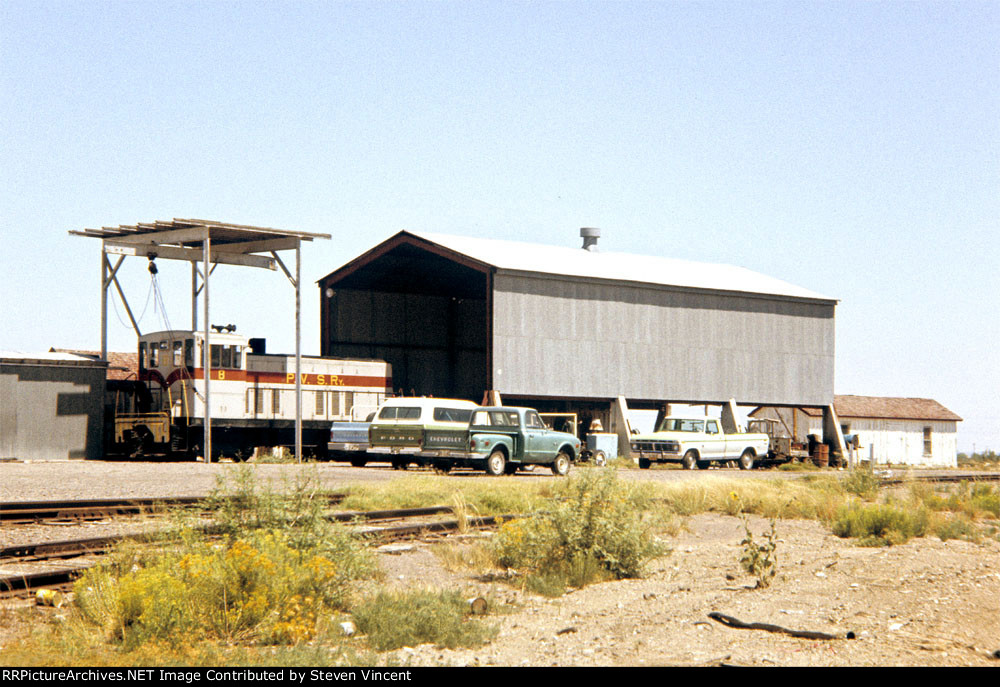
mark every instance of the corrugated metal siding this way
{"type": "Point", "coordinates": [51, 412]}
{"type": "Point", "coordinates": [575, 338]}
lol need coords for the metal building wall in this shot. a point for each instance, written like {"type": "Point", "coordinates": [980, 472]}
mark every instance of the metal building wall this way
{"type": "Point", "coordinates": [51, 412]}
{"type": "Point", "coordinates": [556, 336]}
{"type": "Point", "coordinates": [435, 344]}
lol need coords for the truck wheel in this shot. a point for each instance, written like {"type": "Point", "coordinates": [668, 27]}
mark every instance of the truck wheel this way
{"type": "Point", "coordinates": [141, 442]}
{"type": "Point", "coordinates": [644, 463]}
{"type": "Point", "coordinates": [746, 460]}
{"type": "Point", "coordinates": [358, 462]}
{"type": "Point", "coordinates": [496, 463]}
{"type": "Point", "coordinates": [600, 460]}
{"type": "Point", "coordinates": [690, 460]}
{"type": "Point", "coordinates": [560, 466]}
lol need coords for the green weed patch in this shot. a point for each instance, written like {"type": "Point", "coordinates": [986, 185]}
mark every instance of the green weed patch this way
{"type": "Point", "coordinates": [592, 530]}
{"type": "Point", "coordinates": [392, 620]}
{"type": "Point", "coordinates": [879, 525]}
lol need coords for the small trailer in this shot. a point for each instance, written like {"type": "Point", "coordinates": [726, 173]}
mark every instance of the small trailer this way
{"type": "Point", "coordinates": [781, 447]}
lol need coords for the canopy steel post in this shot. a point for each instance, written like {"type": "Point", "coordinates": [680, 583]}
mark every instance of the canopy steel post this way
{"type": "Point", "coordinates": [194, 296]}
{"type": "Point", "coordinates": [296, 281]}
{"type": "Point", "coordinates": [104, 305]}
{"type": "Point", "coordinates": [206, 350]}
{"type": "Point", "coordinates": [298, 353]}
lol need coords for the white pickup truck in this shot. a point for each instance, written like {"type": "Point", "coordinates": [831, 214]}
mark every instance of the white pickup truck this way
{"type": "Point", "coordinates": [696, 442]}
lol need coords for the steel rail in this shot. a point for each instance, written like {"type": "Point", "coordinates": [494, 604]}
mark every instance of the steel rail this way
{"type": "Point", "coordinates": [942, 479]}
{"type": "Point", "coordinates": [21, 512]}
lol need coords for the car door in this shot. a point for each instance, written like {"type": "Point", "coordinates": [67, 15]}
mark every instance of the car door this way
{"type": "Point", "coordinates": [715, 441]}
{"type": "Point", "coordinates": [537, 439]}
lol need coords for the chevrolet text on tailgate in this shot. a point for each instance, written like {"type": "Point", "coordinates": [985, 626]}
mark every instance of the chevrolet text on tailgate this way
{"type": "Point", "coordinates": [697, 442]}
{"type": "Point", "coordinates": [500, 440]}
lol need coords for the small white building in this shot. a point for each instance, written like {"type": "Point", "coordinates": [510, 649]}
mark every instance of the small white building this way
{"type": "Point", "coordinates": [901, 431]}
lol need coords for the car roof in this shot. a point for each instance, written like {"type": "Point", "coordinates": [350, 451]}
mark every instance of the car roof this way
{"type": "Point", "coordinates": [429, 402]}
{"type": "Point", "coordinates": [506, 408]}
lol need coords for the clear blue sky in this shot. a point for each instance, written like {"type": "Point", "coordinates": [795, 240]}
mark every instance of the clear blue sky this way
{"type": "Point", "coordinates": [849, 148]}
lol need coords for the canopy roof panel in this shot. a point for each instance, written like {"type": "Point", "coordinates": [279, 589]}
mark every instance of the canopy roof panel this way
{"type": "Point", "coordinates": [238, 238]}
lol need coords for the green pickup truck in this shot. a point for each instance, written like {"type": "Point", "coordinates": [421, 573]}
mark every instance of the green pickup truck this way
{"type": "Point", "coordinates": [502, 439]}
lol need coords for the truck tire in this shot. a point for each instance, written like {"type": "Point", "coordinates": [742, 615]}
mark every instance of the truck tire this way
{"type": "Point", "coordinates": [746, 460]}
{"type": "Point", "coordinates": [690, 460]}
{"type": "Point", "coordinates": [644, 463]}
{"type": "Point", "coordinates": [560, 466]}
{"type": "Point", "coordinates": [358, 462]}
{"type": "Point", "coordinates": [496, 463]}
{"type": "Point", "coordinates": [600, 459]}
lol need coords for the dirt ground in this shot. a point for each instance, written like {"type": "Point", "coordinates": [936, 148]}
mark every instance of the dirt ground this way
{"type": "Point", "coordinates": [924, 603]}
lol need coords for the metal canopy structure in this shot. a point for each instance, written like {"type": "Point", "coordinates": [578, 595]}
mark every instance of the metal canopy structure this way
{"type": "Point", "coordinates": [211, 243]}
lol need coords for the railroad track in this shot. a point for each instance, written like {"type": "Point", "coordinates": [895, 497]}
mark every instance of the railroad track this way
{"type": "Point", "coordinates": [25, 512]}
{"type": "Point", "coordinates": [942, 479]}
{"type": "Point", "coordinates": [24, 583]}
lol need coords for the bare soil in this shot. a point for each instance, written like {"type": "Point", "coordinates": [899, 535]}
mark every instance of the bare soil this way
{"type": "Point", "coordinates": [924, 603]}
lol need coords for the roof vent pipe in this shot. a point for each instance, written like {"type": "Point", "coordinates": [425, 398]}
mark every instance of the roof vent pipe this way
{"type": "Point", "coordinates": [590, 236]}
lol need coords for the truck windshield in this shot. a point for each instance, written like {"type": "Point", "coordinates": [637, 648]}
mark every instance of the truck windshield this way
{"type": "Point", "coordinates": [675, 424]}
